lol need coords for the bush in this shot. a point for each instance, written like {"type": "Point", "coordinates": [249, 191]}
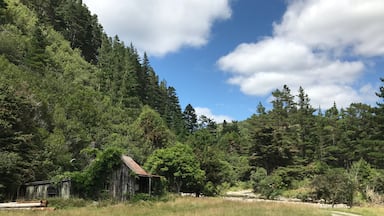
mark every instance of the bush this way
{"type": "Point", "coordinates": [302, 193]}
{"type": "Point", "coordinates": [61, 203]}
{"type": "Point", "coordinates": [144, 197]}
{"type": "Point", "coordinates": [334, 186]}
{"type": "Point", "coordinates": [210, 189]}
{"type": "Point", "coordinates": [271, 186]}
{"type": "Point", "coordinates": [256, 177]}
{"type": "Point", "coordinates": [223, 188]}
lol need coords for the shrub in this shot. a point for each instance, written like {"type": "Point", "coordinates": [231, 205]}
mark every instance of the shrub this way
{"type": "Point", "coordinates": [144, 197]}
{"type": "Point", "coordinates": [256, 177]}
{"type": "Point", "coordinates": [271, 186]}
{"type": "Point", "coordinates": [334, 186]}
{"type": "Point", "coordinates": [302, 193]}
{"type": "Point", "coordinates": [61, 203]}
{"type": "Point", "coordinates": [210, 189]}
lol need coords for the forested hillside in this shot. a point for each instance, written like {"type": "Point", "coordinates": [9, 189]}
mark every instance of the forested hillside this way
{"type": "Point", "coordinates": [69, 93]}
{"type": "Point", "coordinates": [66, 86]}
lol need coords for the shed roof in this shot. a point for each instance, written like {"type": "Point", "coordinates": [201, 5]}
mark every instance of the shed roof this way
{"type": "Point", "coordinates": [45, 182]}
{"type": "Point", "coordinates": [136, 168]}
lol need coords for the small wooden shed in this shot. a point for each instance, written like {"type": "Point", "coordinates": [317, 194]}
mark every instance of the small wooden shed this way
{"type": "Point", "coordinates": [45, 189]}
{"type": "Point", "coordinates": [130, 179]}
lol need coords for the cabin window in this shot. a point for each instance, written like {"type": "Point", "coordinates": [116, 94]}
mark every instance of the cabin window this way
{"type": "Point", "coordinates": [52, 191]}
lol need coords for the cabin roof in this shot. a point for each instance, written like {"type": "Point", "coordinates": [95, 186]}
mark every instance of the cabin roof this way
{"type": "Point", "coordinates": [136, 168]}
{"type": "Point", "coordinates": [45, 182]}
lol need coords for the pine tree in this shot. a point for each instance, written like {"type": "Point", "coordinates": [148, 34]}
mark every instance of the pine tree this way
{"type": "Point", "coordinates": [19, 149]}
{"type": "Point", "coordinates": [173, 112]}
{"type": "Point", "coordinates": [332, 137]}
{"type": "Point", "coordinates": [284, 132]}
{"type": "Point", "coordinates": [306, 127]}
{"type": "Point", "coordinates": [260, 110]}
{"type": "Point", "coordinates": [143, 79]}
{"type": "Point", "coordinates": [37, 58]}
{"type": "Point", "coordinates": [288, 100]}
{"type": "Point", "coordinates": [380, 111]}
{"type": "Point", "coordinates": [190, 119]}
{"type": "Point", "coordinates": [358, 128]}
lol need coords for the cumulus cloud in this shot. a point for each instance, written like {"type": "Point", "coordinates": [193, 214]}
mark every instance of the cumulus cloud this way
{"type": "Point", "coordinates": [208, 113]}
{"type": "Point", "coordinates": [341, 24]}
{"type": "Point", "coordinates": [271, 63]}
{"type": "Point", "coordinates": [312, 47]}
{"type": "Point", "coordinates": [160, 27]}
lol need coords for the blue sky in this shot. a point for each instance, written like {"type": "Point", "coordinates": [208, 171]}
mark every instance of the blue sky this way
{"type": "Point", "coordinates": [226, 56]}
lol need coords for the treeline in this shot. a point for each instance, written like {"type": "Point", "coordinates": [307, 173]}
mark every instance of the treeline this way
{"type": "Point", "coordinates": [69, 94]}
{"type": "Point", "coordinates": [334, 154]}
{"type": "Point", "coordinates": [294, 133]}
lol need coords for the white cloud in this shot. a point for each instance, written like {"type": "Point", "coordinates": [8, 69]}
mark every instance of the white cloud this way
{"type": "Point", "coordinates": [262, 67]}
{"type": "Point", "coordinates": [312, 47]}
{"type": "Point", "coordinates": [208, 113]}
{"type": "Point", "coordinates": [325, 95]}
{"type": "Point", "coordinates": [341, 24]}
{"type": "Point", "coordinates": [160, 27]}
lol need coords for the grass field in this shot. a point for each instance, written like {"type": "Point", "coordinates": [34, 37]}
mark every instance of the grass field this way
{"type": "Point", "coordinates": [367, 211]}
{"type": "Point", "coordinates": [197, 206]}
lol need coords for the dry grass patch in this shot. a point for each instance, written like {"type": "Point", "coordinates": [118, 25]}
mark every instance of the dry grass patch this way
{"type": "Point", "coordinates": [367, 211]}
{"type": "Point", "coordinates": [196, 206]}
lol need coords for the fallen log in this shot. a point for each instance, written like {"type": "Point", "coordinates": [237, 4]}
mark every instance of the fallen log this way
{"type": "Point", "coordinates": [33, 209]}
{"type": "Point", "coordinates": [30, 204]}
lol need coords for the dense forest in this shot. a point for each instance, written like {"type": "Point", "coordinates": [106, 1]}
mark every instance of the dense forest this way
{"type": "Point", "coordinates": [69, 93]}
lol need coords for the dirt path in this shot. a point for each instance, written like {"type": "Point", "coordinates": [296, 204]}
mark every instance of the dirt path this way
{"type": "Point", "coordinates": [249, 196]}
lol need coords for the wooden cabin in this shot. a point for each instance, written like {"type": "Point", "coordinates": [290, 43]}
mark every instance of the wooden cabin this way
{"type": "Point", "coordinates": [130, 179]}
{"type": "Point", "coordinates": [124, 182]}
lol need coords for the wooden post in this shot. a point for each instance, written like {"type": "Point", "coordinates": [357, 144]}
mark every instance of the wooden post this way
{"type": "Point", "coordinates": [149, 191]}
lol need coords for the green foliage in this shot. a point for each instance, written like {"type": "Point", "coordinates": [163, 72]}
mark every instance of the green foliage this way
{"type": "Point", "coordinates": [304, 193]}
{"type": "Point", "coordinates": [78, 26]}
{"type": "Point", "coordinates": [60, 203]}
{"type": "Point", "coordinates": [213, 161]}
{"type": "Point", "coordinates": [140, 197]}
{"type": "Point", "coordinates": [20, 16]}
{"type": "Point", "coordinates": [367, 181]}
{"type": "Point", "coordinates": [334, 186]}
{"type": "Point", "coordinates": [256, 177]}
{"type": "Point", "coordinates": [210, 189]}
{"type": "Point", "coordinates": [179, 166]}
{"type": "Point", "coordinates": [13, 43]}
{"type": "Point", "coordinates": [190, 118]}
{"type": "Point", "coordinates": [3, 7]}
{"type": "Point", "coordinates": [19, 141]}
{"type": "Point", "coordinates": [90, 182]}
{"type": "Point", "coordinates": [271, 186]}
{"type": "Point", "coordinates": [148, 133]}
{"type": "Point", "coordinates": [37, 57]}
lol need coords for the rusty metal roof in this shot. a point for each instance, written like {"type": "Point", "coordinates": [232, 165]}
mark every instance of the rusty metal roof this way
{"type": "Point", "coordinates": [136, 168]}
